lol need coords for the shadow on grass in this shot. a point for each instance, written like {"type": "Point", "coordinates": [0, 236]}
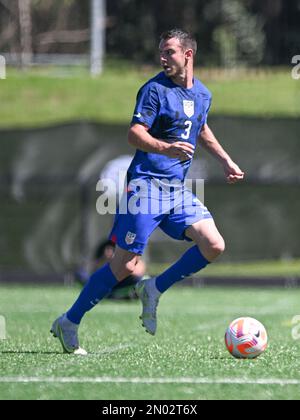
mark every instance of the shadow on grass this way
{"type": "Point", "coordinates": [30, 352]}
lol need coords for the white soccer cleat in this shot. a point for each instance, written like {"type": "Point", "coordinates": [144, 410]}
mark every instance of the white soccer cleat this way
{"type": "Point", "coordinates": [149, 295]}
{"type": "Point", "coordinates": [80, 352]}
{"type": "Point", "coordinates": [67, 333]}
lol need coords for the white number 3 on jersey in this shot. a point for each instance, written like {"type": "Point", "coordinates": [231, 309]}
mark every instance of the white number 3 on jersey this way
{"type": "Point", "coordinates": [186, 135]}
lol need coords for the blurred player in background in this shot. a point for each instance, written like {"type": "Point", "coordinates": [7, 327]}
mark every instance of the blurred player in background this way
{"type": "Point", "coordinates": [169, 119]}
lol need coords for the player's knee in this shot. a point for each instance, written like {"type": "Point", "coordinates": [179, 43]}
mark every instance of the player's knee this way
{"type": "Point", "coordinates": [129, 268]}
{"type": "Point", "coordinates": [122, 269]}
{"type": "Point", "coordinates": [219, 247]}
{"type": "Point", "coordinates": [216, 248]}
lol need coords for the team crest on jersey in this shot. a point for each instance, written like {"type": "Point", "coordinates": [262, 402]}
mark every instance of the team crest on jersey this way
{"type": "Point", "coordinates": [188, 107]}
{"type": "Point", "coordinates": [130, 237]}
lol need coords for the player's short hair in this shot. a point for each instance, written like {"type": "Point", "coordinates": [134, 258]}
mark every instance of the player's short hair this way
{"type": "Point", "coordinates": [186, 39]}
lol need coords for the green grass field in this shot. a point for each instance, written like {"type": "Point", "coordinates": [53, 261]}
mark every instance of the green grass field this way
{"type": "Point", "coordinates": [49, 96]}
{"type": "Point", "coordinates": [186, 360]}
{"type": "Point", "coordinates": [263, 268]}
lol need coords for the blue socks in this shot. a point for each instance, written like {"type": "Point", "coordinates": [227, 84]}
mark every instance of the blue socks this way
{"type": "Point", "coordinates": [103, 281]}
{"type": "Point", "coordinates": [99, 285]}
{"type": "Point", "coordinates": [191, 262]}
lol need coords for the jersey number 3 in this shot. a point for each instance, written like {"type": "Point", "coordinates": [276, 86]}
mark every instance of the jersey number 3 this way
{"type": "Point", "coordinates": [186, 135]}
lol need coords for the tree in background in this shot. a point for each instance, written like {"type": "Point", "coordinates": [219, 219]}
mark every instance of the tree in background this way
{"type": "Point", "coordinates": [9, 24]}
{"type": "Point", "coordinates": [25, 23]}
{"type": "Point", "coordinates": [61, 26]}
{"type": "Point", "coordinates": [238, 33]}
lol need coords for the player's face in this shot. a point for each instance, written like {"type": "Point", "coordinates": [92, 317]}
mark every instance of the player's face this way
{"type": "Point", "coordinates": [172, 57]}
{"type": "Point", "coordinates": [109, 252]}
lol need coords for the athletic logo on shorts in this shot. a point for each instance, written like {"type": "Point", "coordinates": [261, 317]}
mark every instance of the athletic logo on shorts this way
{"type": "Point", "coordinates": [130, 237]}
{"type": "Point", "coordinates": [188, 107]}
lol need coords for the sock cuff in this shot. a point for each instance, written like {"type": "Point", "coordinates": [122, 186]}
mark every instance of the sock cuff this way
{"type": "Point", "coordinates": [110, 279]}
{"type": "Point", "coordinates": [106, 276]}
{"type": "Point", "coordinates": [199, 253]}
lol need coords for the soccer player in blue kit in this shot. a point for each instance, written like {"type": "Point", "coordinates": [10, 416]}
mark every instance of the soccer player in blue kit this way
{"type": "Point", "coordinates": [169, 119]}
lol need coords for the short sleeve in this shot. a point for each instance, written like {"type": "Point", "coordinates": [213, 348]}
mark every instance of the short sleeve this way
{"type": "Point", "coordinates": [207, 110]}
{"type": "Point", "coordinates": [147, 106]}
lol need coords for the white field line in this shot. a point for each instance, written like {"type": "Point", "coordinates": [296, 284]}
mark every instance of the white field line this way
{"type": "Point", "coordinates": [114, 349]}
{"type": "Point", "coordinates": [136, 380]}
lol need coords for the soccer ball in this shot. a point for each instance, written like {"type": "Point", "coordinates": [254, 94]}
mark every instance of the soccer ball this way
{"type": "Point", "coordinates": [246, 338]}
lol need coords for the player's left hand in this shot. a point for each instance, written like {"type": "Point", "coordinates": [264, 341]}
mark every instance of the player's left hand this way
{"type": "Point", "coordinates": [232, 172]}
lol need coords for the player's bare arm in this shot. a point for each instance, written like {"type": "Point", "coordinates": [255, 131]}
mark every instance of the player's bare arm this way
{"type": "Point", "coordinates": [232, 171]}
{"type": "Point", "coordinates": [139, 138]}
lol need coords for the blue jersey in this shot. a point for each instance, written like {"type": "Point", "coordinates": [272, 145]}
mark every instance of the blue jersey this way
{"type": "Point", "coordinates": [172, 113]}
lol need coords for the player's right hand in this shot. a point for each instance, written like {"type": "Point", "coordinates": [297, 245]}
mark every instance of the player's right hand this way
{"type": "Point", "coordinates": [180, 150]}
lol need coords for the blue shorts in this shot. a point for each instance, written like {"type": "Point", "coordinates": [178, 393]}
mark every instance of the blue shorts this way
{"type": "Point", "coordinates": [132, 229]}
